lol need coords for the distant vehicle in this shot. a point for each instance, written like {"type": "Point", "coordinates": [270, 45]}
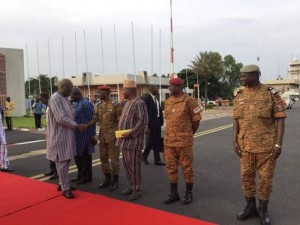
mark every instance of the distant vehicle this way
{"type": "Point", "coordinates": [209, 102]}
{"type": "Point", "coordinates": [288, 102]}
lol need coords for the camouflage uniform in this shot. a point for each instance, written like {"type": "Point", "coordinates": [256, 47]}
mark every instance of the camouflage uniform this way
{"type": "Point", "coordinates": [180, 112]}
{"type": "Point", "coordinates": [108, 114]}
{"type": "Point", "coordinates": [255, 109]}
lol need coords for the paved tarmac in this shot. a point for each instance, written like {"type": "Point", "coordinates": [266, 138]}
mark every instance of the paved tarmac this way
{"type": "Point", "coordinates": [217, 193]}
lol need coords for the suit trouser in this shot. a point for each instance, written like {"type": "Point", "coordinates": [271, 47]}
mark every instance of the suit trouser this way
{"type": "Point", "coordinates": [52, 166]}
{"type": "Point", "coordinates": [4, 163]}
{"type": "Point", "coordinates": [175, 156]}
{"type": "Point", "coordinates": [63, 174]}
{"type": "Point", "coordinates": [132, 160]}
{"type": "Point", "coordinates": [37, 120]}
{"type": "Point", "coordinates": [263, 164]}
{"type": "Point", "coordinates": [109, 151]}
{"type": "Point", "coordinates": [153, 142]}
{"type": "Point", "coordinates": [84, 165]}
{"type": "Point", "coordinates": [8, 123]}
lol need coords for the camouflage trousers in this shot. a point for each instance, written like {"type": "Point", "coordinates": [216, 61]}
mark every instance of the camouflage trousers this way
{"type": "Point", "coordinates": [264, 166]}
{"type": "Point", "coordinates": [175, 156]}
{"type": "Point", "coordinates": [109, 151]}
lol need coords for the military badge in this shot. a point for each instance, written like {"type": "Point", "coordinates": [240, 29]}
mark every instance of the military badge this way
{"type": "Point", "coordinates": [196, 110]}
{"type": "Point", "coordinates": [280, 107]}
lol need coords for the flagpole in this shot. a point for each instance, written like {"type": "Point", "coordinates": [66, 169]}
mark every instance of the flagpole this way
{"type": "Point", "coordinates": [102, 51]}
{"type": "Point", "coordinates": [117, 66]}
{"type": "Point", "coordinates": [151, 52]}
{"type": "Point", "coordinates": [63, 56]}
{"type": "Point", "coordinates": [160, 94]}
{"type": "Point", "coordinates": [29, 92]}
{"type": "Point", "coordinates": [38, 65]}
{"type": "Point", "coordinates": [76, 60]}
{"type": "Point", "coordinates": [86, 67]}
{"type": "Point", "coordinates": [133, 50]}
{"type": "Point", "coordinates": [172, 75]}
{"type": "Point", "coordinates": [49, 67]}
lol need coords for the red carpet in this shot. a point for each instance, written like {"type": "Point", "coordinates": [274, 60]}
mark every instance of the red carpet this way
{"type": "Point", "coordinates": [86, 208]}
{"type": "Point", "coordinates": [19, 192]}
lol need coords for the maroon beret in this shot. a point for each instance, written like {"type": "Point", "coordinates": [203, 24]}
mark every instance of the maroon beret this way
{"type": "Point", "coordinates": [104, 88]}
{"type": "Point", "coordinates": [176, 81]}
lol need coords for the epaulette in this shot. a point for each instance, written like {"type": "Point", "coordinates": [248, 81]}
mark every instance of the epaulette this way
{"type": "Point", "coordinates": [99, 103]}
{"type": "Point", "coordinates": [272, 90]}
{"type": "Point", "coordinates": [237, 91]}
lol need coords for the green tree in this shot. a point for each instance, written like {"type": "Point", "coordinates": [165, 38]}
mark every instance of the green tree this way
{"type": "Point", "coordinates": [230, 79]}
{"type": "Point", "coordinates": [208, 64]}
{"type": "Point", "coordinates": [45, 85]}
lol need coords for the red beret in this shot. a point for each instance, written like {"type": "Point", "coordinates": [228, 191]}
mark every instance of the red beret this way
{"type": "Point", "coordinates": [104, 88]}
{"type": "Point", "coordinates": [176, 81]}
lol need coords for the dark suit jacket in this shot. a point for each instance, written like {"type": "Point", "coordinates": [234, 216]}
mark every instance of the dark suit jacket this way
{"type": "Point", "coordinates": [152, 112]}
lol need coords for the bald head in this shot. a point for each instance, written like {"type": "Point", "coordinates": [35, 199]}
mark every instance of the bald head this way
{"type": "Point", "coordinates": [65, 87]}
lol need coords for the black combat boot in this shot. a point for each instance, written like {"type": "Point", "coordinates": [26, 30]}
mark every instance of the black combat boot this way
{"type": "Point", "coordinates": [250, 209]}
{"type": "Point", "coordinates": [173, 196]}
{"type": "Point", "coordinates": [106, 182]}
{"type": "Point", "coordinates": [263, 213]}
{"type": "Point", "coordinates": [115, 183]}
{"type": "Point", "coordinates": [188, 197]}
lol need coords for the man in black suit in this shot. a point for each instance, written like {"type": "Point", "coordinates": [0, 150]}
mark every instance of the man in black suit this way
{"type": "Point", "coordinates": [156, 120]}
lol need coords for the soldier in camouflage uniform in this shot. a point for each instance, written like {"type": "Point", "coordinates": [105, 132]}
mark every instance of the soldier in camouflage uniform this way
{"type": "Point", "coordinates": [182, 115]}
{"type": "Point", "coordinates": [108, 113]}
{"type": "Point", "coordinates": [258, 127]}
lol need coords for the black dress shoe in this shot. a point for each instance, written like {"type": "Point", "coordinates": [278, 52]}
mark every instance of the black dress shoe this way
{"type": "Point", "coordinates": [54, 176]}
{"type": "Point", "coordinates": [49, 173]}
{"type": "Point", "coordinates": [68, 194]}
{"type": "Point", "coordinates": [146, 162]}
{"type": "Point", "coordinates": [159, 163]}
{"type": "Point", "coordinates": [74, 179]}
{"type": "Point", "coordinates": [71, 188]}
{"type": "Point", "coordinates": [84, 181]}
{"type": "Point", "coordinates": [7, 170]}
{"type": "Point", "coordinates": [128, 191]}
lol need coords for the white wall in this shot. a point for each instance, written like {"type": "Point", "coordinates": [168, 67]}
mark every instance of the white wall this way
{"type": "Point", "coordinates": [15, 78]}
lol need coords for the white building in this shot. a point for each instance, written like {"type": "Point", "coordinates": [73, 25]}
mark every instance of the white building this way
{"type": "Point", "coordinates": [12, 78]}
{"type": "Point", "coordinates": [288, 86]}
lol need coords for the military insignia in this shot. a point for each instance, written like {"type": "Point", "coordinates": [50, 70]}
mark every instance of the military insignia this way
{"type": "Point", "coordinates": [272, 90]}
{"type": "Point", "coordinates": [196, 110]}
{"type": "Point", "coordinates": [237, 91]}
{"type": "Point", "coordinates": [280, 107]}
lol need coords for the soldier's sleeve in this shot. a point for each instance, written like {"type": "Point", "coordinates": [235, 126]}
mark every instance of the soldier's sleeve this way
{"type": "Point", "coordinates": [195, 109]}
{"type": "Point", "coordinates": [278, 110]}
{"type": "Point", "coordinates": [235, 109]}
{"type": "Point", "coordinates": [119, 110]}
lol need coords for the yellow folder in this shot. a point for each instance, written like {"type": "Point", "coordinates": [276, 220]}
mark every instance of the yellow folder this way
{"type": "Point", "coordinates": [119, 133]}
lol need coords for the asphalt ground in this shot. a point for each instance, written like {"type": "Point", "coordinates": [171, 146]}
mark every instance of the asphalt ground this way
{"type": "Point", "coordinates": [217, 188]}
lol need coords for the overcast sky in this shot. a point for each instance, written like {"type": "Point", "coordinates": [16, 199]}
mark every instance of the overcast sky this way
{"type": "Point", "coordinates": [246, 29]}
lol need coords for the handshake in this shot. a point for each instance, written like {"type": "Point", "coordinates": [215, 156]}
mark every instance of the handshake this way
{"type": "Point", "coordinates": [81, 127]}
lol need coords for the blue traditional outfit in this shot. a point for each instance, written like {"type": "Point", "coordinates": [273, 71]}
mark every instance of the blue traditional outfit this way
{"type": "Point", "coordinates": [84, 111]}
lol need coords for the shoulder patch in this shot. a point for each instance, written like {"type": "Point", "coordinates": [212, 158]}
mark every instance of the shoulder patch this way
{"type": "Point", "coordinates": [272, 90]}
{"type": "Point", "coordinates": [237, 91]}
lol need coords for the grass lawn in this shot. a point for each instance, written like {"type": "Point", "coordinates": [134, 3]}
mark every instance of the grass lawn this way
{"type": "Point", "coordinates": [24, 122]}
